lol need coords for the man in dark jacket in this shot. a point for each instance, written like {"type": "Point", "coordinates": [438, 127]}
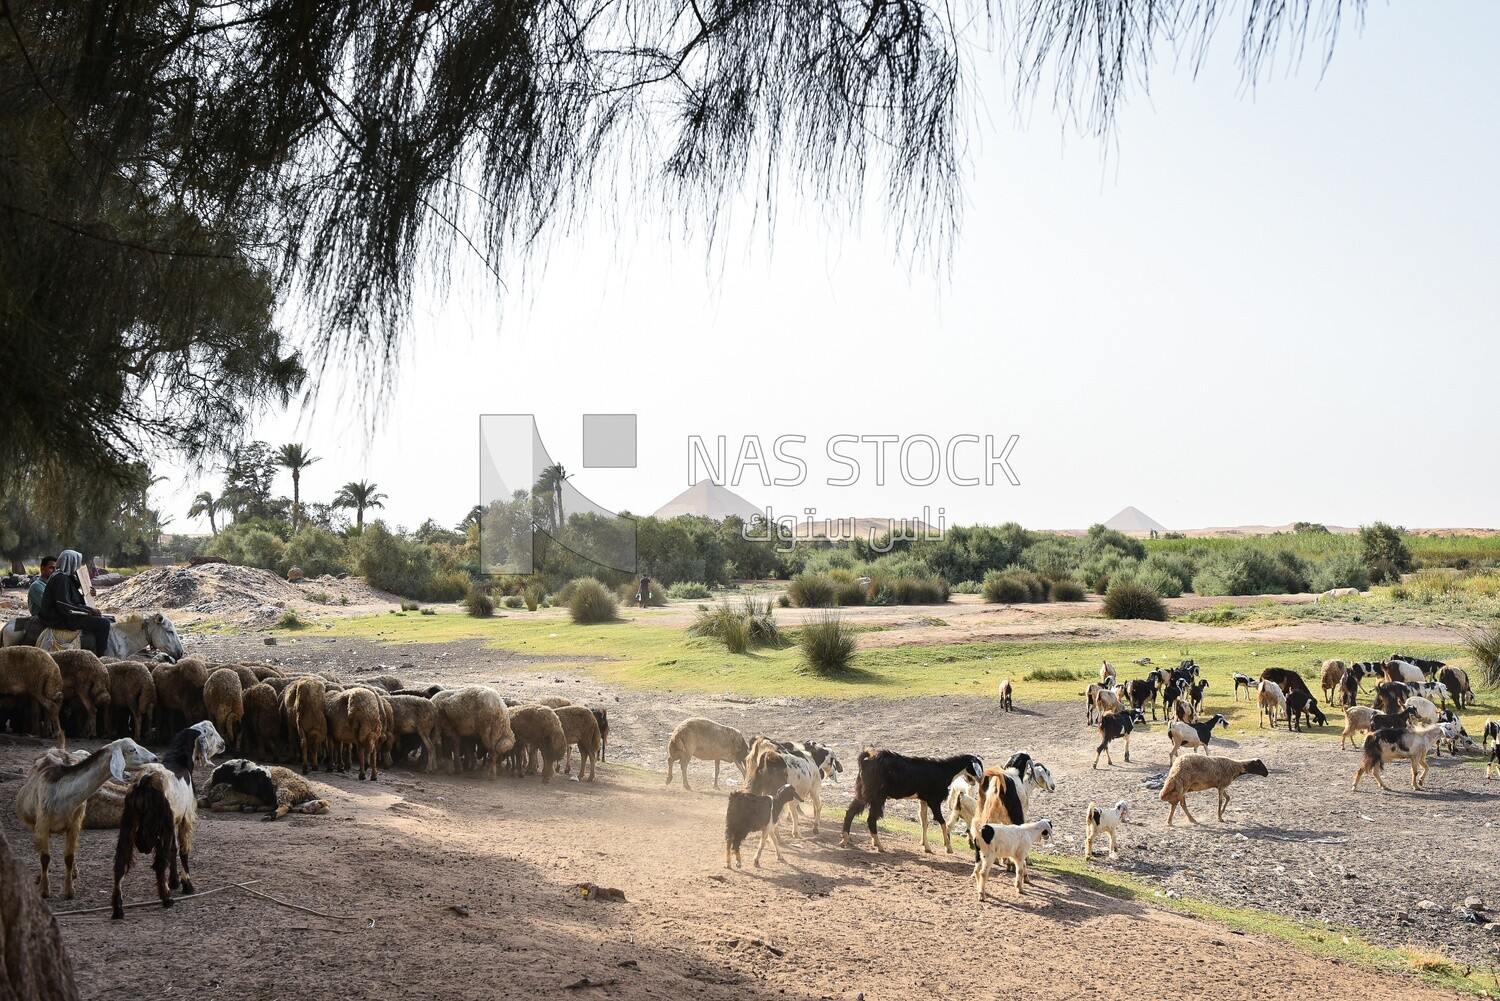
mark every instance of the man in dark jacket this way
{"type": "Point", "coordinates": [64, 607]}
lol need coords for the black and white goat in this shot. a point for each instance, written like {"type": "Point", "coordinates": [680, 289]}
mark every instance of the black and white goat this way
{"type": "Point", "coordinates": [1141, 693]}
{"type": "Point", "coordinates": [1247, 683]}
{"type": "Point", "coordinates": [749, 812]}
{"type": "Point", "coordinates": [1301, 705]}
{"type": "Point", "coordinates": [886, 775]}
{"type": "Point", "coordinates": [1116, 726]}
{"type": "Point", "coordinates": [1105, 819]}
{"type": "Point", "coordinates": [1491, 732]}
{"type": "Point", "coordinates": [1194, 734]}
{"type": "Point", "coordinates": [160, 811]}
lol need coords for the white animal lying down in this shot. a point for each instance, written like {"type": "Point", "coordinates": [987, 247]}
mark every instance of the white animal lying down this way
{"type": "Point", "coordinates": [1012, 842]}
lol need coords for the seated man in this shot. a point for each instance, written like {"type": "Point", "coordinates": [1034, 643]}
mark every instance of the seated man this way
{"type": "Point", "coordinates": [32, 627]}
{"type": "Point", "coordinates": [63, 605]}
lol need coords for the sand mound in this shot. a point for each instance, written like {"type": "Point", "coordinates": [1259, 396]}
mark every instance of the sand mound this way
{"type": "Point", "coordinates": [225, 589]}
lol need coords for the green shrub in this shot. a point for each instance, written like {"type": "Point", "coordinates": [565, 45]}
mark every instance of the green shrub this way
{"type": "Point", "coordinates": [738, 627]}
{"type": "Point", "coordinates": [290, 620]}
{"type": "Point", "coordinates": [848, 593]}
{"type": "Point", "coordinates": [1339, 570]}
{"type": "Point", "coordinates": [409, 606]}
{"type": "Point", "coordinates": [321, 597]}
{"type": "Point", "coordinates": [1005, 589]}
{"type": "Point", "coordinates": [392, 562]}
{"type": "Point", "coordinates": [760, 619]}
{"type": "Point", "coordinates": [564, 595]}
{"type": "Point", "coordinates": [429, 611]}
{"type": "Point", "coordinates": [1484, 647]}
{"type": "Point", "coordinates": [782, 601]}
{"type": "Point", "coordinates": [1066, 590]}
{"type": "Point", "coordinates": [591, 603]}
{"type": "Point", "coordinates": [1246, 568]}
{"type": "Point", "coordinates": [1383, 552]}
{"type": "Point", "coordinates": [1163, 583]}
{"type": "Point", "coordinates": [534, 597]}
{"type": "Point", "coordinates": [689, 590]}
{"type": "Point", "coordinates": [1130, 600]}
{"type": "Point", "coordinates": [478, 603]}
{"type": "Point", "coordinates": [827, 644]}
{"type": "Point", "coordinates": [966, 587]}
{"type": "Point", "coordinates": [1219, 615]}
{"type": "Point", "coordinates": [811, 591]}
{"type": "Point", "coordinates": [513, 601]}
{"type": "Point", "coordinates": [1056, 673]}
{"type": "Point", "coordinates": [1177, 566]}
{"type": "Point", "coordinates": [317, 551]}
{"type": "Point", "coordinates": [451, 586]}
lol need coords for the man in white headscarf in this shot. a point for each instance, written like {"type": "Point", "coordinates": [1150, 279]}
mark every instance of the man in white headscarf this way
{"type": "Point", "coordinates": [64, 607]}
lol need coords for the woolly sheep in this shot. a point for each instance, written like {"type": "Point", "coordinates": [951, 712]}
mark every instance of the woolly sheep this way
{"type": "Point", "coordinates": [25, 670]}
{"type": "Point", "coordinates": [131, 691]}
{"type": "Point", "coordinates": [355, 726]}
{"type": "Point", "coordinates": [415, 716]}
{"type": "Point", "coordinates": [302, 707]}
{"type": "Point", "coordinates": [241, 785]}
{"type": "Point", "coordinates": [179, 694]}
{"type": "Point", "coordinates": [1197, 773]}
{"type": "Point", "coordinates": [263, 725]}
{"type": "Point", "coordinates": [537, 730]}
{"type": "Point", "coordinates": [581, 729]}
{"type": "Point", "coordinates": [85, 687]}
{"type": "Point", "coordinates": [224, 702]}
{"type": "Point", "coordinates": [475, 714]}
{"type": "Point", "coordinates": [708, 741]}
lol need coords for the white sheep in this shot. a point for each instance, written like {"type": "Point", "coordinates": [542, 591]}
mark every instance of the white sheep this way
{"type": "Point", "coordinates": [1271, 701]}
{"type": "Point", "coordinates": [1108, 820]}
{"type": "Point", "coordinates": [1011, 842]}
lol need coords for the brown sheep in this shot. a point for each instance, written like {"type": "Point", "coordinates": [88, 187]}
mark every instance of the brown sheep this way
{"type": "Point", "coordinates": [415, 716]}
{"type": "Point", "coordinates": [555, 701]}
{"type": "Point", "coordinates": [224, 702]}
{"type": "Point", "coordinates": [306, 720]}
{"type": "Point", "coordinates": [537, 729]}
{"type": "Point", "coordinates": [85, 688]}
{"type": "Point", "coordinates": [264, 672]}
{"type": "Point", "coordinates": [278, 683]}
{"type": "Point", "coordinates": [247, 676]}
{"type": "Point", "coordinates": [264, 731]}
{"type": "Point", "coordinates": [355, 724]}
{"type": "Point", "coordinates": [706, 740]}
{"type": "Point", "coordinates": [27, 671]}
{"type": "Point", "coordinates": [179, 694]}
{"type": "Point", "coordinates": [1195, 773]}
{"type": "Point", "coordinates": [474, 715]}
{"type": "Point", "coordinates": [132, 693]}
{"type": "Point", "coordinates": [580, 728]}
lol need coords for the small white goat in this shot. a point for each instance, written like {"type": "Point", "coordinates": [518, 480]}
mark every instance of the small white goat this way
{"type": "Point", "coordinates": [1108, 820]}
{"type": "Point", "coordinates": [1272, 701]}
{"type": "Point", "coordinates": [1011, 842]}
{"type": "Point", "coordinates": [1424, 709]}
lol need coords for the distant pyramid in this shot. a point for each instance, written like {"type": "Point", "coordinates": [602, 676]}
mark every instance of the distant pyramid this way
{"type": "Point", "coordinates": [1132, 521]}
{"type": "Point", "coordinates": [706, 499]}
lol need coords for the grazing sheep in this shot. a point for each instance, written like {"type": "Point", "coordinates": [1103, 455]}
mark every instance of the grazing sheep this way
{"type": "Point", "coordinates": [1114, 726]}
{"type": "Point", "coordinates": [1108, 820]}
{"type": "Point", "coordinates": [751, 812]}
{"type": "Point", "coordinates": [302, 707]}
{"type": "Point", "coordinates": [1384, 746]}
{"type": "Point", "coordinates": [554, 701]}
{"type": "Point", "coordinates": [27, 671]}
{"type": "Point", "coordinates": [1197, 773]}
{"type": "Point", "coordinates": [1456, 681]}
{"type": "Point", "coordinates": [242, 671]}
{"type": "Point", "coordinates": [1333, 676]}
{"type": "Point", "coordinates": [224, 702]}
{"type": "Point", "coordinates": [161, 811]}
{"type": "Point", "coordinates": [414, 716]}
{"type": "Point", "coordinates": [132, 693]}
{"type": "Point", "coordinates": [264, 727]}
{"type": "Point", "coordinates": [265, 672]}
{"type": "Point", "coordinates": [1406, 671]}
{"type": "Point", "coordinates": [85, 688]}
{"type": "Point", "coordinates": [476, 719]}
{"type": "Point", "coordinates": [538, 731]}
{"type": "Point", "coordinates": [244, 786]}
{"type": "Point", "coordinates": [886, 775]}
{"type": "Point", "coordinates": [1012, 842]}
{"type": "Point", "coordinates": [1194, 734]}
{"type": "Point", "coordinates": [179, 694]}
{"type": "Point", "coordinates": [1301, 705]}
{"type": "Point", "coordinates": [1271, 702]}
{"type": "Point", "coordinates": [1007, 692]}
{"type": "Point", "coordinates": [388, 683]}
{"type": "Point", "coordinates": [355, 724]}
{"type": "Point", "coordinates": [580, 729]}
{"type": "Point", "coordinates": [55, 794]}
{"type": "Point", "coordinates": [708, 741]}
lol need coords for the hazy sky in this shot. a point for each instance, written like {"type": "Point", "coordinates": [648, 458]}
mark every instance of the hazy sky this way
{"type": "Point", "coordinates": [1253, 307]}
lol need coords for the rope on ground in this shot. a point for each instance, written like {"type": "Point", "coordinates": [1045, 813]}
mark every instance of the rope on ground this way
{"type": "Point", "coordinates": [156, 902]}
{"type": "Point", "coordinates": [295, 907]}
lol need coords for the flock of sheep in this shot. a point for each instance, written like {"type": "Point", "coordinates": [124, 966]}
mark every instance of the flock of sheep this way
{"type": "Point", "coordinates": [198, 710]}
{"type": "Point", "coordinates": [993, 803]}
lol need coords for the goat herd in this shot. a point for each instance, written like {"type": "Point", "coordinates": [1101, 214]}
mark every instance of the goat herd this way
{"type": "Point", "coordinates": [993, 802]}
{"type": "Point", "coordinates": [257, 710]}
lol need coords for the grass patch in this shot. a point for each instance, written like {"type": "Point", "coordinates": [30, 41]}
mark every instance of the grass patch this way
{"type": "Point", "coordinates": [1056, 674]}
{"type": "Point", "coordinates": [1219, 615]}
{"type": "Point", "coordinates": [291, 620]}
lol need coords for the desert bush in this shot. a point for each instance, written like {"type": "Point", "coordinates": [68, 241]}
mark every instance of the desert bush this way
{"type": "Point", "coordinates": [451, 586]}
{"type": "Point", "coordinates": [782, 601]}
{"type": "Point", "coordinates": [1066, 590]}
{"type": "Point", "coordinates": [592, 603]}
{"type": "Point", "coordinates": [513, 601]}
{"type": "Point", "coordinates": [739, 627]}
{"type": "Point", "coordinates": [1384, 552]}
{"type": "Point", "coordinates": [1159, 580]}
{"type": "Point", "coordinates": [392, 562]}
{"type": "Point", "coordinates": [534, 596]}
{"type": "Point", "coordinates": [1004, 589]}
{"type": "Point", "coordinates": [1056, 674]}
{"type": "Point", "coordinates": [1339, 570]}
{"type": "Point", "coordinates": [1248, 569]}
{"type": "Point", "coordinates": [827, 645]}
{"type": "Point", "coordinates": [564, 595]}
{"type": "Point", "coordinates": [317, 551]}
{"type": "Point", "coordinates": [1219, 615]}
{"type": "Point", "coordinates": [689, 590]}
{"type": "Point", "coordinates": [428, 611]}
{"type": "Point", "coordinates": [290, 620]}
{"type": "Point", "coordinates": [1177, 566]}
{"type": "Point", "coordinates": [811, 591]}
{"type": "Point", "coordinates": [1484, 647]}
{"type": "Point", "coordinates": [409, 606]}
{"type": "Point", "coordinates": [848, 593]}
{"type": "Point", "coordinates": [478, 603]}
{"type": "Point", "coordinates": [1131, 600]}
{"type": "Point", "coordinates": [321, 597]}
{"type": "Point", "coordinates": [967, 587]}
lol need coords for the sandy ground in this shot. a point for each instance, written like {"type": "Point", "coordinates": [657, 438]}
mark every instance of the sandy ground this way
{"type": "Point", "coordinates": [397, 860]}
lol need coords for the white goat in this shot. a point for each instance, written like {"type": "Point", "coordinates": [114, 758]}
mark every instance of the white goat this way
{"type": "Point", "coordinates": [1108, 820]}
{"type": "Point", "coordinates": [1011, 842]}
{"type": "Point", "coordinates": [1271, 702]}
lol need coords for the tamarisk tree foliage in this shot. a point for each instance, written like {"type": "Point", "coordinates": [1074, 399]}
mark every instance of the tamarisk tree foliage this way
{"type": "Point", "coordinates": [175, 171]}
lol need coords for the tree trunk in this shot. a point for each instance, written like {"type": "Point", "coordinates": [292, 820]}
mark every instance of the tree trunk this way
{"type": "Point", "coordinates": [17, 566]}
{"type": "Point", "coordinates": [296, 499]}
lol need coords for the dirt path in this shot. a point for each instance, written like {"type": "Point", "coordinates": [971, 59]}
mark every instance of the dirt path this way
{"type": "Point", "coordinates": [399, 856]}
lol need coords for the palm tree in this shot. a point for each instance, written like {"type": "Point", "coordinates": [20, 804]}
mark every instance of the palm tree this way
{"type": "Point", "coordinates": [359, 496]}
{"type": "Point", "coordinates": [550, 485]}
{"type": "Point", "coordinates": [295, 458]}
{"type": "Point", "coordinates": [205, 503]}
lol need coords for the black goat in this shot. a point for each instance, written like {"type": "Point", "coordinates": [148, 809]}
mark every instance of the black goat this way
{"type": "Point", "coordinates": [1141, 693]}
{"type": "Point", "coordinates": [601, 716]}
{"type": "Point", "coordinates": [1113, 726]}
{"type": "Point", "coordinates": [1195, 693]}
{"type": "Point", "coordinates": [1390, 696]}
{"type": "Point", "coordinates": [1300, 704]}
{"type": "Point", "coordinates": [1392, 721]}
{"type": "Point", "coordinates": [750, 812]}
{"type": "Point", "coordinates": [1349, 688]}
{"type": "Point", "coordinates": [886, 775]}
{"type": "Point", "coordinates": [1456, 680]}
